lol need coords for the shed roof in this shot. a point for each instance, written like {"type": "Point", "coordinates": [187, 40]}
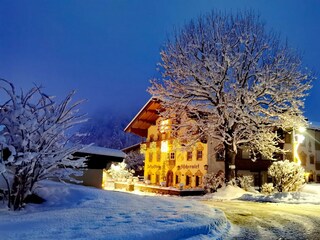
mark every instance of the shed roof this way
{"type": "Point", "coordinates": [146, 117]}
{"type": "Point", "coordinates": [102, 151]}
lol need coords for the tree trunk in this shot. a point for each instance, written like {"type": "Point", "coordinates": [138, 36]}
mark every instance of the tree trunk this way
{"type": "Point", "coordinates": [230, 162]}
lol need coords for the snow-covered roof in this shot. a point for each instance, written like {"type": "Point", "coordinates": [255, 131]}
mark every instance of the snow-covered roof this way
{"type": "Point", "coordinates": [91, 149]}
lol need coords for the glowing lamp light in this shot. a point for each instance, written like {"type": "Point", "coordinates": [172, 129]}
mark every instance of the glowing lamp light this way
{"type": "Point", "coordinates": [299, 138]}
{"type": "Point", "coordinates": [164, 146]}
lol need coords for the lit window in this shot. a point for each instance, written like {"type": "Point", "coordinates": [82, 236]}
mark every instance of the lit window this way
{"type": "Point", "coordinates": [199, 155]}
{"type": "Point", "coordinates": [189, 156]}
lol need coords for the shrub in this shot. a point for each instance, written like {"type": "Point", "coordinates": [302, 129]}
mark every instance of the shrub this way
{"type": "Point", "coordinates": [287, 176]}
{"type": "Point", "coordinates": [267, 188]}
{"type": "Point", "coordinates": [245, 182]}
{"type": "Point", "coordinates": [120, 172]}
{"type": "Point", "coordinates": [213, 181]}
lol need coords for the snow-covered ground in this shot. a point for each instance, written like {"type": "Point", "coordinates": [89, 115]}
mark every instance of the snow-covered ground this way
{"type": "Point", "coordinates": [277, 216]}
{"type": "Point", "coordinates": [77, 212]}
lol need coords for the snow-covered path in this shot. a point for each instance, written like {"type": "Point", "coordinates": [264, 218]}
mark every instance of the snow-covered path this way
{"type": "Point", "coordinates": [271, 220]}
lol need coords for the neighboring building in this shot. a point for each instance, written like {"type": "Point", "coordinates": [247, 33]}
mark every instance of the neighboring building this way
{"type": "Point", "coordinates": [165, 162]}
{"type": "Point", "coordinates": [308, 151]}
{"type": "Point", "coordinates": [98, 159]}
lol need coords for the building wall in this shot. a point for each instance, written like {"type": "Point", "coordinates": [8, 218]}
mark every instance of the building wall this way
{"type": "Point", "coordinates": [308, 152]}
{"type": "Point", "coordinates": [92, 177]}
{"type": "Point", "coordinates": [166, 161]}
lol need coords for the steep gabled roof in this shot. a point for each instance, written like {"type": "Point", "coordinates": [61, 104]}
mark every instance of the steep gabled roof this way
{"type": "Point", "coordinates": [146, 117]}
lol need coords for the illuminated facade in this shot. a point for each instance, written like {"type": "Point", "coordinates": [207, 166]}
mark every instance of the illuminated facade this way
{"type": "Point", "coordinates": [166, 164]}
{"type": "Point", "coordinates": [304, 147]}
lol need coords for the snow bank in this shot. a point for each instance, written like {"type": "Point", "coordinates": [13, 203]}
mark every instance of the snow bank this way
{"type": "Point", "coordinates": [309, 193]}
{"type": "Point", "coordinates": [77, 212]}
{"type": "Point", "coordinates": [225, 193]}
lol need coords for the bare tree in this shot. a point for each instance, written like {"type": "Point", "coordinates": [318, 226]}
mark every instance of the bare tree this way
{"type": "Point", "coordinates": [226, 77]}
{"type": "Point", "coordinates": [35, 134]}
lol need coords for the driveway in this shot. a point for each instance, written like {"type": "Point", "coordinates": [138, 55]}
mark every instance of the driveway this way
{"type": "Point", "coordinates": [253, 220]}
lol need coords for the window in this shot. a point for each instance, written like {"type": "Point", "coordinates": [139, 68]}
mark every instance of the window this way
{"type": "Point", "coordinates": [157, 179]}
{"type": "Point", "coordinates": [158, 156]}
{"type": "Point", "coordinates": [150, 156]}
{"type": "Point", "coordinates": [311, 159]}
{"type": "Point", "coordinates": [245, 154]}
{"type": "Point", "coordinates": [317, 142]}
{"type": "Point", "coordinates": [303, 158]}
{"type": "Point", "coordinates": [178, 177]}
{"type": "Point", "coordinates": [189, 156]}
{"type": "Point", "coordinates": [198, 181]}
{"type": "Point", "coordinates": [188, 180]}
{"type": "Point", "coordinates": [199, 155]}
{"type": "Point", "coordinates": [220, 155]}
{"type": "Point", "coordinates": [172, 156]}
{"type": "Point", "coordinates": [198, 178]}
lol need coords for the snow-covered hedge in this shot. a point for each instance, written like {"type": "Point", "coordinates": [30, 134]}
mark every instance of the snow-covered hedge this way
{"type": "Point", "coordinates": [287, 176]}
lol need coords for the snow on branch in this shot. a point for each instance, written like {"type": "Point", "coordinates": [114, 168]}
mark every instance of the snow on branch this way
{"type": "Point", "coordinates": [235, 80]}
{"type": "Point", "coordinates": [35, 134]}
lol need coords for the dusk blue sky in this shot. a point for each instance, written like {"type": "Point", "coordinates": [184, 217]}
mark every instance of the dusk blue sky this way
{"type": "Point", "coordinates": [108, 50]}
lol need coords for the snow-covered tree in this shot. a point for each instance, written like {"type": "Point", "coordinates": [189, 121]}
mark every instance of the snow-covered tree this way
{"type": "Point", "coordinates": [287, 176]}
{"type": "Point", "coordinates": [135, 161]}
{"type": "Point", "coordinates": [35, 134]}
{"type": "Point", "coordinates": [226, 77]}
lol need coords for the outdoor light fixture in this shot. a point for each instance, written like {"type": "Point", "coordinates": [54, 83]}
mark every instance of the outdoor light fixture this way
{"type": "Point", "coordinates": [298, 139]}
{"type": "Point", "coordinates": [164, 146]}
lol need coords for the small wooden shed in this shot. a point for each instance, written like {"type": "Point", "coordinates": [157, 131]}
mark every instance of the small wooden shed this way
{"type": "Point", "coordinates": [99, 158]}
